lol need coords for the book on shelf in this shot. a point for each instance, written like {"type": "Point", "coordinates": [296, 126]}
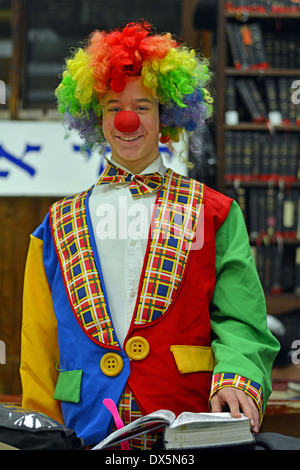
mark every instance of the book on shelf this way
{"type": "Point", "coordinates": [188, 430]}
{"type": "Point", "coordinates": [263, 6]}
{"type": "Point", "coordinates": [274, 113]}
{"type": "Point", "coordinates": [297, 271]}
{"type": "Point", "coordinates": [231, 111]}
{"type": "Point", "coordinates": [257, 98]}
{"type": "Point", "coordinates": [239, 194]}
{"type": "Point", "coordinates": [239, 57]}
{"type": "Point", "coordinates": [245, 36]}
{"type": "Point", "coordinates": [284, 98]}
{"type": "Point", "coordinates": [251, 99]}
{"type": "Point", "coordinates": [260, 60]}
{"type": "Point", "coordinates": [270, 268]}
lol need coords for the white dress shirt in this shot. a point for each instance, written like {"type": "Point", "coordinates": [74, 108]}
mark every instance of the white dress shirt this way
{"type": "Point", "coordinates": [121, 226]}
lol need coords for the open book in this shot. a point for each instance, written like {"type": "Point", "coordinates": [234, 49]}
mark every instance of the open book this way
{"type": "Point", "coordinates": [188, 430]}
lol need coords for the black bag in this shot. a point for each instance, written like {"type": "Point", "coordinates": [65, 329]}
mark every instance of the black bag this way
{"type": "Point", "coordinates": [26, 429]}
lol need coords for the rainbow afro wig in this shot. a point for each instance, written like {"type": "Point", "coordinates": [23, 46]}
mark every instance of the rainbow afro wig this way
{"type": "Point", "coordinates": [175, 74]}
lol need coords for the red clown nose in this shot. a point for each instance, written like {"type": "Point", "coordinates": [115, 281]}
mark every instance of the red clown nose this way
{"type": "Point", "coordinates": [127, 121]}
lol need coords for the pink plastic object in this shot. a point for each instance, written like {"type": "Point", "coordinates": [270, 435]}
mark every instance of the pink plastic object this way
{"type": "Point", "coordinates": [127, 121]}
{"type": "Point", "coordinates": [111, 406]}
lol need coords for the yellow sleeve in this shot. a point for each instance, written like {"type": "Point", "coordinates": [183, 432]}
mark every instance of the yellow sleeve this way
{"type": "Point", "coordinates": [39, 344]}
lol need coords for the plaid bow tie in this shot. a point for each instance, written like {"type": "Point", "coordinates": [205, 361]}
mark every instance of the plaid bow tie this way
{"type": "Point", "coordinates": [138, 184]}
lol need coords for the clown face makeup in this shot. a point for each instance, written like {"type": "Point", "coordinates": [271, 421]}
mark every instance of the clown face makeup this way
{"type": "Point", "coordinates": [138, 148]}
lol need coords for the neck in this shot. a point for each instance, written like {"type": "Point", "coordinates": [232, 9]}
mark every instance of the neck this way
{"type": "Point", "coordinates": [135, 167]}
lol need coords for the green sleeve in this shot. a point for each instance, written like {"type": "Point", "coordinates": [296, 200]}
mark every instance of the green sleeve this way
{"type": "Point", "coordinates": [242, 342]}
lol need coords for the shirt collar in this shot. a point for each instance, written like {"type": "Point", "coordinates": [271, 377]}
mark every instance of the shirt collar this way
{"type": "Point", "coordinates": [157, 166]}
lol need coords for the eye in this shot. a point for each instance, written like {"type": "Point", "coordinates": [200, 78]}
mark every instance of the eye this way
{"type": "Point", "coordinates": [114, 110]}
{"type": "Point", "coordinates": [142, 108]}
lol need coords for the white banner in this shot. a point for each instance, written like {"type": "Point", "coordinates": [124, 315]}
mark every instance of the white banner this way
{"type": "Point", "coordinates": [36, 159]}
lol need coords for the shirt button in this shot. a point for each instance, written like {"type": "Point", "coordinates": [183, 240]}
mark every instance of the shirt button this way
{"type": "Point", "coordinates": [137, 348]}
{"type": "Point", "coordinates": [132, 294]}
{"type": "Point", "coordinates": [111, 364]}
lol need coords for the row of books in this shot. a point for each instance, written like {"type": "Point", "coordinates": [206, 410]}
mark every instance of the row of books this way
{"type": "Point", "coordinates": [272, 99]}
{"type": "Point", "coordinates": [252, 49]}
{"type": "Point", "coordinates": [272, 217]}
{"type": "Point", "coordinates": [282, 49]}
{"type": "Point", "coordinates": [278, 268]}
{"type": "Point", "coordinates": [260, 156]}
{"type": "Point", "coordinates": [246, 44]}
{"type": "Point", "coordinates": [272, 212]}
{"type": "Point", "coordinates": [275, 6]}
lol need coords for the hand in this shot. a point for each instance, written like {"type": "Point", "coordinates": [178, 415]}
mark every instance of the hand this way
{"type": "Point", "coordinates": [238, 401]}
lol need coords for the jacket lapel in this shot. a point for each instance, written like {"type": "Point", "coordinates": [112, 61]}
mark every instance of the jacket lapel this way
{"type": "Point", "coordinates": [174, 228]}
{"type": "Point", "coordinates": [82, 281]}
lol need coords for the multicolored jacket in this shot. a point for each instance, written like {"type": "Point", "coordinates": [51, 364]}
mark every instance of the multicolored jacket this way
{"type": "Point", "coordinates": [199, 321]}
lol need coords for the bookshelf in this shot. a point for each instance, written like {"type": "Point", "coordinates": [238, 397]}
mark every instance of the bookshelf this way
{"type": "Point", "coordinates": [257, 134]}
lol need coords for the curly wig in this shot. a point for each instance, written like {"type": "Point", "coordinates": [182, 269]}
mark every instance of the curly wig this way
{"type": "Point", "coordinates": [174, 73]}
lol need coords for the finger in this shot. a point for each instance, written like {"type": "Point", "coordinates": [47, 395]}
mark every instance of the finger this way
{"type": "Point", "coordinates": [215, 404]}
{"type": "Point", "coordinates": [234, 407]}
{"type": "Point", "coordinates": [226, 397]}
{"type": "Point", "coordinates": [235, 412]}
{"type": "Point", "coordinates": [254, 418]}
{"type": "Point", "coordinates": [250, 410]}
{"type": "Point", "coordinates": [233, 402]}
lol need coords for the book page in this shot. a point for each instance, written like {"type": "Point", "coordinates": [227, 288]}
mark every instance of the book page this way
{"type": "Point", "coordinates": [205, 418]}
{"type": "Point", "coordinates": [195, 430]}
{"type": "Point", "coordinates": [148, 423]}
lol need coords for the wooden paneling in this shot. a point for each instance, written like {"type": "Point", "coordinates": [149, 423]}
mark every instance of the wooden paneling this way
{"type": "Point", "coordinates": [19, 216]}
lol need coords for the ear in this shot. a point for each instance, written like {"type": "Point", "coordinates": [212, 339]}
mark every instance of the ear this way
{"type": "Point", "coordinates": [100, 121]}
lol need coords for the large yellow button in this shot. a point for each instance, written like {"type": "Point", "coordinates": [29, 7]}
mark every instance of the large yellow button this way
{"type": "Point", "coordinates": [111, 364]}
{"type": "Point", "coordinates": [137, 348]}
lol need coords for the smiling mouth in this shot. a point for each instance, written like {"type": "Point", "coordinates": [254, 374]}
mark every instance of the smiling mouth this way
{"type": "Point", "coordinates": [129, 138]}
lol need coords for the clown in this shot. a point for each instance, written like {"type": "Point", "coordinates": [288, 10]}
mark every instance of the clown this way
{"type": "Point", "coordinates": [175, 75]}
{"type": "Point", "coordinates": [176, 320]}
